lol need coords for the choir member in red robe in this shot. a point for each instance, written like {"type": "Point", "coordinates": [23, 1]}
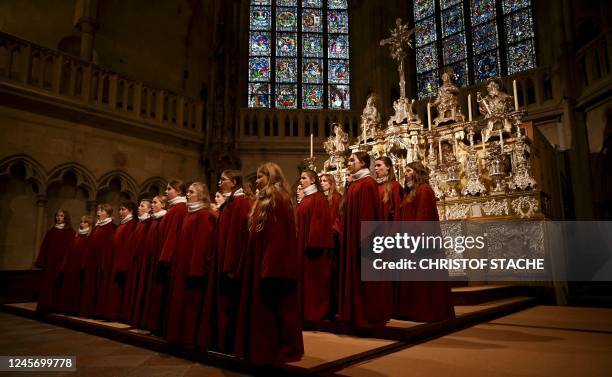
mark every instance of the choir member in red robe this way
{"type": "Point", "coordinates": [190, 266]}
{"type": "Point", "coordinates": [365, 304]}
{"type": "Point", "coordinates": [315, 239]}
{"type": "Point", "coordinates": [422, 301]}
{"type": "Point", "coordinates": [223, 293]}
{"type": "Point", "coordinates": [100, 245]}
{"type": "Point", "coordinates": [330, 189]}
{"type": "Point", "coordinates": [269, 327]}
{"type": "Point", "coordinates": [148, 295]}
{"type": "Point", "coordinates": [71, 268]}
{"type": "Point", "coordinates": [170, 229]}
{"type": "Point", "coordinates": [56, 244]}
{"type": "Point", "coordinates": [130, 263]}
{"type": "Point", "coordinates": [389, 189]}
{"type": "Point", "coordinates": [111, 294]}
{"type": "Point", "coordinates": [334, 198]}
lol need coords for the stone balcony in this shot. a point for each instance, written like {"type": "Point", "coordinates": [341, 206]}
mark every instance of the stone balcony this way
{"type": "Point", "coordinates": [61, 85]}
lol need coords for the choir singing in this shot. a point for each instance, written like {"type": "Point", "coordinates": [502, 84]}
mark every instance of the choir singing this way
{"type": "Point", "coordinates": [241, 275]}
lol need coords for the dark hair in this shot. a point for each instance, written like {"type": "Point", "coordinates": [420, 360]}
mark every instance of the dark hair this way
{"type": "Point", "coordinates": [237, 177]}
{"type": "Point", "coordinates": [179, 186]}
{"type": "Point", "coordinates": [315, 177]}
{"type": "Point", "coordinates": [421, 176]}
{"type": "Point", "coordinates": [130, 205]}
{"type": "Point", "coordinates": [66, 217]}
{"type": "Point", "coordinates": [388, 187]}
{"type": "Point", "coordinates": [364, 158]}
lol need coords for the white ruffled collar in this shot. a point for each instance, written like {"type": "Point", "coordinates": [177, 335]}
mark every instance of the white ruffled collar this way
{"type": "Point", "coordinates": [382, 179]}
{"type": "Point", "coordinates": [239, 192]}
{"type": "Point", "coordinates": [177, 200]}
{"type": "Point", "coordinates": [365, 172]}
{"type": "Point", "coordinates": [144, 217]}
{"type": "Point", "coordinates": [84, 232]}
{"type": "Point", "coordinates": [107, 220]}
{"type": "Point", "coordinates": [159, 214]}
{"type": "Point", "coordinates": [194, 207]}
{"type": "Point", "coordinates": [60, 226]}
{"type": "Point", "coordinates": [310, 190]}
{"type": "Point", "coordinates": [129, 217]}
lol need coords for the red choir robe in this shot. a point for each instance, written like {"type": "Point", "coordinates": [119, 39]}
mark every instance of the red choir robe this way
{"type": "Point", "coordinates": [129, 268]}
{"type": "Point", "coordinates": [335, 214]}
{"type": "Point", "coordinates": [190, 265]}
{"type": "Point", "coordinates": [391, 206]}
{"type": "Point", "coordinates": [315, 239]}
{"type": "Point", "coordinates": [71, 269]}
{"type": "Point", "coordinates": [56, 244]}
{"type": "Point", "coordinates": [369, 303]}
{"type": "Point", "coordinates": [269, 327]}
{"type": "Point", "coordinates": [170, 229]}
{"type": "Point", "coordinates": [148, 295]}
{"type": "Point", "coordinates": [223, 290]}
{"type": "Point", "coordinates": [100, 245]}
{"type": "Point", "coordinates": [111, 295]}
{"type": "Point", "coordinates": [423, 301]}
{"type": "Point", "coordinates": [335, 211]}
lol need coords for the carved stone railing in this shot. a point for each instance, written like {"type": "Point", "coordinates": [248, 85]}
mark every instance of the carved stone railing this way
{"type": "Point", "coordinates": [292, 126]}
{"type": "Point", "coordinates": [594, 66]}
{"type": "Point", "coordinates": [60, 75]}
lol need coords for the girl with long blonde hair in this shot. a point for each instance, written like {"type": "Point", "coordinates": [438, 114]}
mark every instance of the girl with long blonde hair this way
{"type": "Point", "coordinates": [269, 325]}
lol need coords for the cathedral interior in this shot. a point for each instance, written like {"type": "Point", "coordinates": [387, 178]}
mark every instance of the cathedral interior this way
{"type": "Point", "coordinates": [107, 100]}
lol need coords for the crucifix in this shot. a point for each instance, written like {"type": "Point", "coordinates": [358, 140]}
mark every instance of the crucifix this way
{"type": "Point", "coordinates": [399, 39]}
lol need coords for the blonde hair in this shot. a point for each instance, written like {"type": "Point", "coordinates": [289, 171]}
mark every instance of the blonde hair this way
{"type": "Point", "coordinates": [162, 199]}
{"type": "Point", "coordinates": [265, 198]}
{"type": "Point", "coordinates": [203, 194]}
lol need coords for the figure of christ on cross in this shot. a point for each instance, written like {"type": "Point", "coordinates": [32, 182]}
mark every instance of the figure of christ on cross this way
{"type": "Point", "coordinates": [399, 39]}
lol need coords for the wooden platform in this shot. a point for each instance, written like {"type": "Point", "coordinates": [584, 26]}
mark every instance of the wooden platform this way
{"type": "Point", "coordinates": [329, 346]}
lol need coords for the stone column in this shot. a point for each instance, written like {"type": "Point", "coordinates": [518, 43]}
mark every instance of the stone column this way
{"type": "Point", "coordinates": [92, 206]}
{"type": "Point", "coordinates": [85, 18]}
{"type": "Point", "coordinates": [41, 202]}
{"type": "Point", "coordinates": [87, 39]}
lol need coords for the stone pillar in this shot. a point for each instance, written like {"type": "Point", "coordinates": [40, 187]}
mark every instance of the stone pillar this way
{"type": "Point", "coordinates": [85, 18]}
{"type": "Point", "coordinates": [92, 206]}
{"type": "Point", "coordinates": [87, 39]}
{"type": "Point", "coordinates": [41, 202]}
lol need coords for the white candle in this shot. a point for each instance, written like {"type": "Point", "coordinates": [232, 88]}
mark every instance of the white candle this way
{"type": "Point", "coordinates": [516, 107]}
{"type": "Point", "coordinates": [501, 140]}
{"type": "Point", "coordinates": [429, 115]}
{"type": "Point", "coordinates": [470, 107]}
{"type": "Point", "coordinates": [483, 140]}
{"type": "Point", "coordinates": [311, 145]}
{"type": "Point", "coordinates": [440, 149]}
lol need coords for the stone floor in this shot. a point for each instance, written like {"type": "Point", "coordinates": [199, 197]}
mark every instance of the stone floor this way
{"type": "Point", "coordinates": [96, 356]}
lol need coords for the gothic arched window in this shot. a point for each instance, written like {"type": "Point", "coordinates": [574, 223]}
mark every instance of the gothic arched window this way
{"type": "Point", "coordinates": [299, 54]}
{"type": "Point", "coordinates": [476, 39]}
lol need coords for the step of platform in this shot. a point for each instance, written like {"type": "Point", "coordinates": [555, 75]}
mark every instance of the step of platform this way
{"type": "Point", "coordinates": [478, 294]}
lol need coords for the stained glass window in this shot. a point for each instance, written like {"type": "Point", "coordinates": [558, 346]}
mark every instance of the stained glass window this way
{"type": "Point", "coordinates": [299, 54]}
{"type": "Point", "coordinates": [519, 35]}
{"type": "Point", "coordinates": [494, 38]}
